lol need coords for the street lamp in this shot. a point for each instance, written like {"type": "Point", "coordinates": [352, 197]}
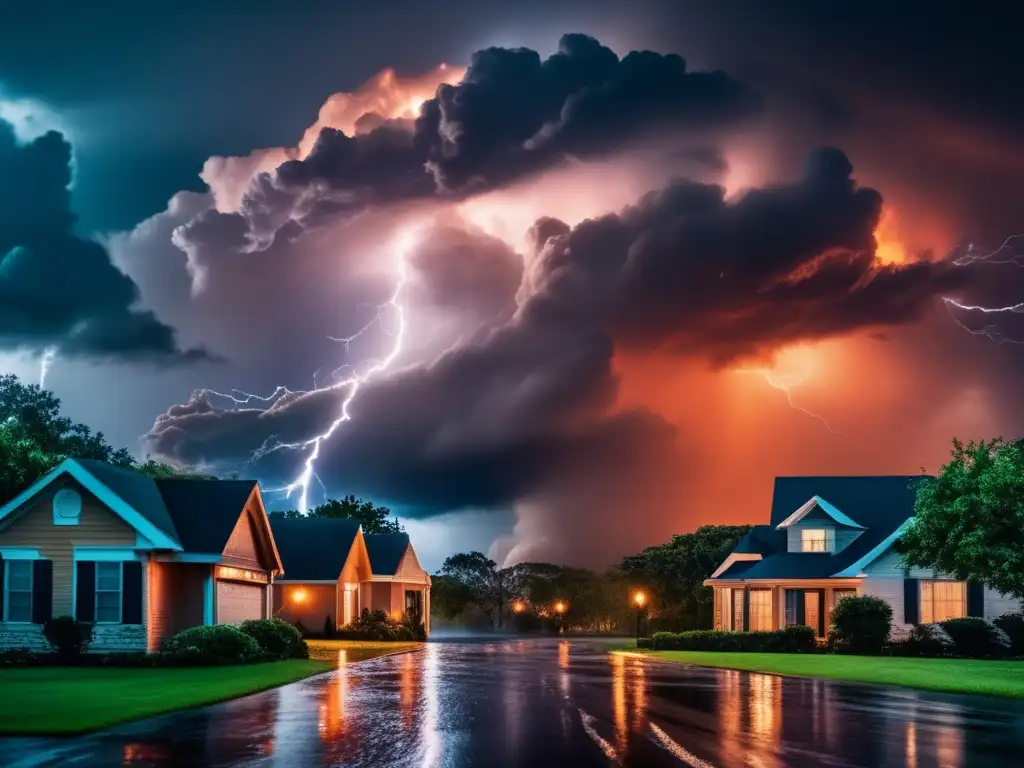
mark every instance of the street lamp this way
{"type": "Point", "coordinates": [559, 607]}
{"type": "Point", "coordinates": [639, 600]}
{"type": "Point", "coordinates": [518, 607]}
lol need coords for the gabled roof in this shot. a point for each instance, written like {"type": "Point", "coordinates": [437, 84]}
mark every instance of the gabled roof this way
{"type": "Point", "coordinates": [137, 490]}
{"type": "Point", "coordinates": [314, 548]}
{"type": "Point", "coordinates": [881, 504]}
{"type": "Point", "coordinates": [386, 551]}
{"type": "Point", "coordinates": [816, 502]}
{"type": "Point", "coordinates": [204, 512]}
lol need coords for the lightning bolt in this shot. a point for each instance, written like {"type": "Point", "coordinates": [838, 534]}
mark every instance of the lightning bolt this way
{"type": "Point", "coordinates": [353, 382]}
{"type": "Point", "coordinates": [968, 254]}
{"type": "Point", "coordinates": [786, 384]}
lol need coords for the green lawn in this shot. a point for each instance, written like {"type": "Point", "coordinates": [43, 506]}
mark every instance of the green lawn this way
{"type": "Point", "coordinates": [989, 678]}
{"type": "Point", "coordinates": [68, 700]}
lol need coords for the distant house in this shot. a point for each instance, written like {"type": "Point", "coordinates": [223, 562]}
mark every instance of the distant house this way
{"type": "Point", "coordinates": [334, 572]}
{"type": "Point", "coordinates": [141, 558]}
{"type": "Point", "coordinates": [831, 537]}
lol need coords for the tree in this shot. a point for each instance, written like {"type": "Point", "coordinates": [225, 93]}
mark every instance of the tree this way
{"type": "Point", "coordinates": [34, 437]}
{"type": "Point", "coordinates": [449, 598]}
{"type": "Point", "coordinates": [481, 578]}
{"type": "Point", "coordinates": [969, 521]}
{"type": "Point", "coordinates": [158, 470]}
{"type": "Point", "coordinates": [675, 573]}
{"type": "Point", "coordinates": [373, 518]}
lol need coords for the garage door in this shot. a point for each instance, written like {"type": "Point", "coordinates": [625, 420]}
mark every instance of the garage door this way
{"type": "Point", "coordinates": [237, 602]}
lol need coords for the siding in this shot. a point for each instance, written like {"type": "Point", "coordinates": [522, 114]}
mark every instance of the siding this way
{"type": "Point", "coordinates": [380, 596]}
{"type": "Point", "coordinates": [321, 601]}
{"type": "Point", "coordinates": [410, 570]}
{"type": "Point", "coordinates": [840, 535]}
{"type": "Point", "coordinates": [97, 526]}
{"type": "Point", "coordinates": [178, 591]}
{"type": "Point", "coordinates": [241, 550]}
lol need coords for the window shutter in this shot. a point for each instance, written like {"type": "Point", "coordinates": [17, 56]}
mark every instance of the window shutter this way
{"type": "Point", "coordinates": [3, 572]}
{"type": "Point", "coordinates": [801, 606]}
{"type": "Point", "coordinates": [911, 601]}
{"type": "Point", "coordinates": [85, 592]}
{"type": "Point", "coordinates": [746, 610]}
{"type": "Point", "coordinates": [42, 591]}
{"type": "Point", "coordinates": [975, 599]}
{"type": "Point", "coordinates": [821, 613]}
{"type": "Point", "coordinates": [131, 596]}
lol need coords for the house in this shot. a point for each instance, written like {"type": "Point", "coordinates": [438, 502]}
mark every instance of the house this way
{"type": "Point", "coordinates": [140, 558]}
{"type": "Point", "coordinates": [828, 538]}
{"type": "Point", "coordinates": [334, 572]}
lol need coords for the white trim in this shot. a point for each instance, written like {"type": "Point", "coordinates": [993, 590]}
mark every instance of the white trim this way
{"type": "Point", "coordinates": [735, 557]}
{"type": "Point", "coordinates": [116, 504]}
{"type": "Point", "coordinates": [188, 557]}
{"type": "Point", "coordinates": [856, 569]}
{"type": "Point", "coordinates": [99, 554]}
{"type": "Point", "coordinates": [824, 506]}
{"type": "Point", "coordinates": [279, 567]}
{"type": "Point", "coordinates": [96, 594]}
{"type": "Point", "coordinates": [20, 553]}
{"type": "Point", "coordinates": [141, 542]}
{"type": "Point", "coordinates": [7, 590]}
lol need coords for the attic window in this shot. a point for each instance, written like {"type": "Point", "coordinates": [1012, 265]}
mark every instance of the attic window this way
{"type": "Point", "coordinates": [67, 507]}
{"type": "Point", "coordinates": [815, 540]}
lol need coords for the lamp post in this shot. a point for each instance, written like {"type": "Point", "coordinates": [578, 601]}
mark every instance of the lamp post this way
{"type": "Point", "coordinates": [559, 609]}
{"type": "Point", "coordinates": [639, 600]}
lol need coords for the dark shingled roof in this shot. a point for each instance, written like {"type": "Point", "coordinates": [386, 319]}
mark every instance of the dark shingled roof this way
{"type": "Point", "coordinates": [880, 503]}
{"type": "Point", "coordinates": [137, 490]}
{"type": "Point", "coordinates": [314, 548]}
{"type": "Point", "coordinates": [205, 512]}
{"type": "Point", "coordinates": [386, 551]}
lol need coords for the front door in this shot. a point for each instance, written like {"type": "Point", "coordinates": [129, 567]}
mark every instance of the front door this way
{"type": "Point", "coordinates": [414, 605]}
{"type": "Point", "coordinates": [812, 602]}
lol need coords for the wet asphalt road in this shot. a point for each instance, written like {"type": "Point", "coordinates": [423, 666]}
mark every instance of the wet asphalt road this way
{"type": "Point", "coordinates": [555, 703]}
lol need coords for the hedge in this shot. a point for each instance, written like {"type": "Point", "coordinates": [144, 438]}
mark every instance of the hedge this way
{"type": "Point", "coordinates": [797, 639]}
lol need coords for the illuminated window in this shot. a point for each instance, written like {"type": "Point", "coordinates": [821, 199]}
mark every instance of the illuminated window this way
{"type": "Point", "coordinates": [737, 610]}
{"type": "Point", "coordinates": [941, 600]}
{"type": "Point", "coordinates": [108, 593]}
{"type": "Point", "coordinates": [18, 590]}
{"type": "Point", "coordinates": [814, 540]}
{"type": "Point", "coordinates": [760, 610]}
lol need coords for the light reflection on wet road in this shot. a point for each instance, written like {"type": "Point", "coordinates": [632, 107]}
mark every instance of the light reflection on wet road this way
{"type": "Point", "coordinates": [556, 703]}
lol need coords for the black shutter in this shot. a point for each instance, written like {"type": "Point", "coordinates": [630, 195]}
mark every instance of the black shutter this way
{"type": "Point", "coordinates": [911, 601]}
{"type": "Point", "coordinates": [131, 595]}
{"type": "Point", "coordinates": [85, 592]}
{"type": "Point", "coordinates": [976, 599]}
{"type": "Point", "coordinates": [3, 572]}
{"type": "Point", "coordinates": [801, 607]}
{"type": "Point", "coordinates": [42, 591]}
{"type": "Point", "coordinates": [746, 611]}
{"type": "Point", "coordinates": [821, 613]}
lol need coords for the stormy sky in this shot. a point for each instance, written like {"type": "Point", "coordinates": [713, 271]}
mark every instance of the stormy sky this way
{"type": "Point", "coordinates": [552, 280]}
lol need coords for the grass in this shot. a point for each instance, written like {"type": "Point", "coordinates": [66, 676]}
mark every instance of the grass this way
{"type": "Point", "coordinates": [972, 676]}
{"type": "Point", "coordinates": [41, 701]}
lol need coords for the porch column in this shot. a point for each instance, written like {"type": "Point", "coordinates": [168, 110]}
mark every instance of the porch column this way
{"type": "Point", "coordinates": [208, 598]}
{"type": "Point", "coordinates": [426, 608]}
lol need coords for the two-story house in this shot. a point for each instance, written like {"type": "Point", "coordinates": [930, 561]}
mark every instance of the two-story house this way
{"type": "Point", "coordinates": [828, 538]}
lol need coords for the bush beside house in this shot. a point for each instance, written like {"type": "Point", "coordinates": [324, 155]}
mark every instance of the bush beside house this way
{"type": "Point", "coordinates": [797, 639]}
{"type": "Point", "coordinates": [377, 625]}
{"type": "Point", "coordinates": [860, 625]}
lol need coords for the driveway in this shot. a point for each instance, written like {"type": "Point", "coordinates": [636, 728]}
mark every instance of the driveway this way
{"type": "Point", "coordinates": [555, 703]}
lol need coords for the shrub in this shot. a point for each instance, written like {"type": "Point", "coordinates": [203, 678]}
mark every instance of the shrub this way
{"type": "Point", "coordinates": [976, 638]}
{"type": "Point", "coordinates": [1013, 625]}
{"type": "Point", "coordinates": [924, 640]}
{"type": "Point", "coordinates": [796, 639]}
{"type": "Point", "coordinates": [328, 627]}
{"type": "Point", "coordinates": [417, 630]}
{"type": "Point", "coordinates": [302, 628]}
{"type": "Point", "coordinates": [68, 638]}
{"type": "Point", "coordinates": [17, 657]}
{"type": "Point", "coordinates": [645, 642]}
{"type": "Point", "coordinates": [277, 638]}
{"type": "Point", "coordinates": [372, 625]}
{"type": "Point", "coordinates": [218, 644]}
{"type": "Point", "coordinates": [860, 625]}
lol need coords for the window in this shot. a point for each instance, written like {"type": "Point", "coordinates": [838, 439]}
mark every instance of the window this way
{"type": "Point", "coordinates": [737, 610]}
{"type": "Point", "coordinates": [792, 607]}
{"type": "Point", "coordinates": [760, 610]}
{"type": "Point", "coordinates": [941, 600]}
{"type": "Point", "coordinates": [814, 540]}
{"type": "Point", "coordinates": [18, 590]}
{"type": "Point", "coordinates": [108, 593]}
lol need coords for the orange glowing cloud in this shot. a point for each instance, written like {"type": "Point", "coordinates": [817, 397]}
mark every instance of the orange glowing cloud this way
{"type": "Point", "coordinates": [889, 247]}
{"type": "Point", "coordinates": [387, 95]}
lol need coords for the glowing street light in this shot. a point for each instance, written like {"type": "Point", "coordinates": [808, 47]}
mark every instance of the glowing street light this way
{"type": "Point", "coordinates": [639, 600]}
{"type": "Point", "coordinates": [559, 607]}
{"type": "Point", "coordinates": [518, 606]}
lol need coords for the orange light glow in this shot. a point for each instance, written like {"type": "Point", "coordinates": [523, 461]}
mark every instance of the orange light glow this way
{"type": "Point", "coordinates": [518, 607]}
{"type": "Point", "coordinates": [889, 249]}
{"type": "Point", "coordinates": [559, 607]}
{"type": "Point", "coordinates": [639, 598]}
{"type": "Point", "coordinates": [299, 595]}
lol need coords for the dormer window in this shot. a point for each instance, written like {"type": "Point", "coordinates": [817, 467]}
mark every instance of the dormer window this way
{"type": "Point", "coordinates": [815, 540]}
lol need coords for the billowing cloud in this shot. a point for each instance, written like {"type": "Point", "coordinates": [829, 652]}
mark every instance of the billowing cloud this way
{"type": "Point", "coordinates": [57, 290]}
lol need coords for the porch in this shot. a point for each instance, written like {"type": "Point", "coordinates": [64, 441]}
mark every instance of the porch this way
{"type": "Point", "coordinates": [766, 606]}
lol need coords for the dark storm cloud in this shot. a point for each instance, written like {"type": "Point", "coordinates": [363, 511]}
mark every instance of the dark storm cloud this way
{"type": "Point", "coordinates": [498, 418]}
{"type": "Point", "coordinates": [513, 113]}
{"type": "Point", "coordinates": [56, 289]}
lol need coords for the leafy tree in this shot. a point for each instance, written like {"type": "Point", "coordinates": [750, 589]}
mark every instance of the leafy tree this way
{"type": "Point", "coordinates": [34, 437]}
{"type": "Point", "coordinates": [158, 470]}
{"type": "Point", "coordinates": [969, 521]}
{"type": "Point", "coordinates": [449, 598]}
{"type": "Point", "coordinates": [373, 518]}
{"type": "Point", "coordinates": [480, 577]}
{"type": "Point", "coordinates": [675, 572]}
